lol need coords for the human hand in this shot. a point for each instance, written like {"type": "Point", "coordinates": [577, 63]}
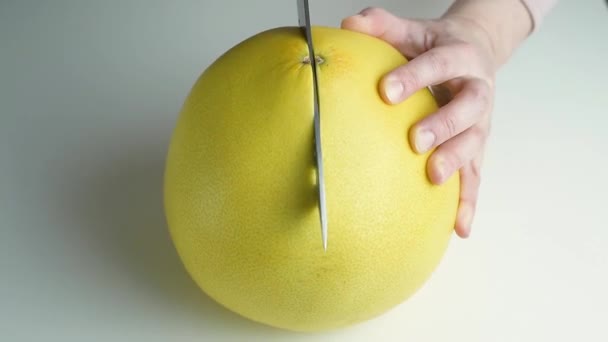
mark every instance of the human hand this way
{"type": "Point", "coordinates": [457, 54]}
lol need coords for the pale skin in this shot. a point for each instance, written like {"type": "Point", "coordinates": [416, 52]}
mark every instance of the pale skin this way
{"type": "Point", "coordinates": [461, 51]}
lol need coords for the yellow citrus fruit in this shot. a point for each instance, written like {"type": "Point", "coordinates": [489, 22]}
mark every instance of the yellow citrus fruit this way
{"type": "Point", "coordinates": [240, 193]}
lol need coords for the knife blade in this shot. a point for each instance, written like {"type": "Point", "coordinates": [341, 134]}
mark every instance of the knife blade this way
{"type": "Point", "coordinates": [304, 23]}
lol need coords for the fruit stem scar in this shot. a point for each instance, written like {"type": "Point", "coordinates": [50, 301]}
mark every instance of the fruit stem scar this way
{"type": "Point", "coordinates": [318, 59]}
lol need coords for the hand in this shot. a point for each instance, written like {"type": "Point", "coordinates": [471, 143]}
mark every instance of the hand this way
{"type": "Point", "coordinates": [457, 54]}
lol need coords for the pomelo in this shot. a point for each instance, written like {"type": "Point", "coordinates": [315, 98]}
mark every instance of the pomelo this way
{"type": "Point", "coordinates": [240, 192]}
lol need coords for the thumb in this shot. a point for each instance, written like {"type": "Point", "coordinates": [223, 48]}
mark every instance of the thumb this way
{"type": "Point", "coordinates": [408, 36]}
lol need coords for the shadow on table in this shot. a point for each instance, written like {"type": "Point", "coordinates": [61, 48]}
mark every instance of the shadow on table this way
{"type": "Point", "coordinates": [119, 208]}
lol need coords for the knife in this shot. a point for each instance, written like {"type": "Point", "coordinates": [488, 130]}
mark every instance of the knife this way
{"type": "Point", "coordinates": [304, 23]}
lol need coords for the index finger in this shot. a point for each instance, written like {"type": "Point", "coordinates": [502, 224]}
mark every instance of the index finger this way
{"type": "Point", "coordinates": [433, 67]}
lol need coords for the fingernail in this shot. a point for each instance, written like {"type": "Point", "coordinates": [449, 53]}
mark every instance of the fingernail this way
{"type": "Point", "coordinates": [424, 140]}
{"type": "Point", "coordinates": [393, 90]}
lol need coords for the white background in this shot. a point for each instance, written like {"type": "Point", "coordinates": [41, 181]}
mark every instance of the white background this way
{"type": "Point", "coordinates": [89, 93]}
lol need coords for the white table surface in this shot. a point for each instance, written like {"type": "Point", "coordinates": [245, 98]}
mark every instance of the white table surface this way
{"type": "Point", "coordinates": [89, 92]}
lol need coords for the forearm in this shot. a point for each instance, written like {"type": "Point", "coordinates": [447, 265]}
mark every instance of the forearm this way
{"type": "Point", "coordinates": [507, 22]}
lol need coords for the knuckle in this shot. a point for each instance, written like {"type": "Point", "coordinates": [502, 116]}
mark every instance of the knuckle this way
{"type": "Point", "coordinates": [479, 93]}
{"type": "Point", "coordinates": [372, 10]}
{"type": "Point", "coordinates": [480, 132]}
{"type": "Point", "coordinates": [469, 50]}
{"type": "Point", "coordinates": [429, 39]}
{"type": "Point", "coordinates": [469, 196]}
{"type": "Point", "coordinates": [476, 172]}
{"type": "Point", "coordinates": [439, 64]}
{"type": "Point", "coordinates": [449, 124]}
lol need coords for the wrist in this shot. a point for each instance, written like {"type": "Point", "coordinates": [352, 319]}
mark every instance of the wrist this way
{"type": "Point", "coordinates": [503, 24]}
